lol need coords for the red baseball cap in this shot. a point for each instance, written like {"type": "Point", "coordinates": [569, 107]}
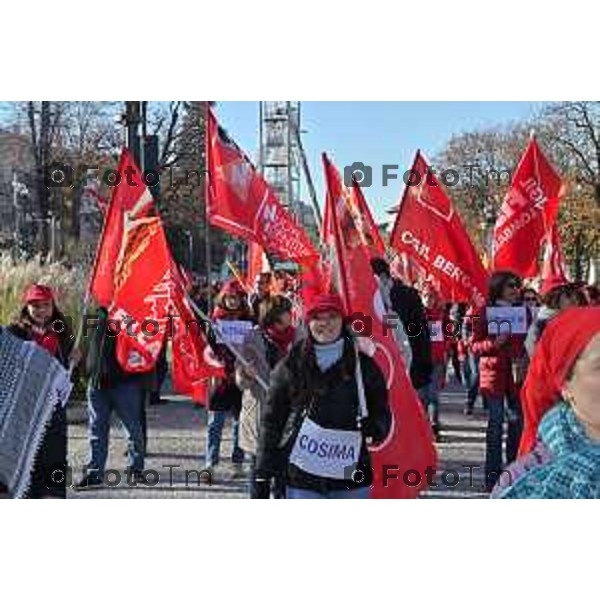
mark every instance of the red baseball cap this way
{"type": "Point", "coordinates": [323, 302]}
{"type": "Point", "coordinates": [38, 293]}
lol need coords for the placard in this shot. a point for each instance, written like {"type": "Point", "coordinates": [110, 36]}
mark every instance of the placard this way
{"type": "Point", "coordinates": [234, 332]}
{"type": "Point", "coordinates": [510, 320]}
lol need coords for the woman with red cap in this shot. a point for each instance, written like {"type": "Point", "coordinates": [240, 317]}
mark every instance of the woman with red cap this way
{"type": "Point", "coordinates": [316, 424]}
{"type": "Point", "coordinates": [40, 321]}
{"type": "Point", "coordinates": [560, 446]}
{"type": "Point", "coordinates": [226, 398]}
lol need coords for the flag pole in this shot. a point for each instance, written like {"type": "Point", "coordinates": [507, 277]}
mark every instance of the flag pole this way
{"type": "Point", "coordinates": [207, 191]}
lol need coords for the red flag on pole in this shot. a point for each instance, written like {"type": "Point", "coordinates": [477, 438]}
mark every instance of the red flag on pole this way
{"type": "Point", "coordinates": [527, 214]}
{"type": "Point", "coordinates": [370, 234]}
{"type": "Point", "coordinates": [241, 202]}
{"type": "Point", "coordinates": [145, 288]}
{"type": "Point", "coordinates": [409, 445]}
{"type": "Point", "coordinates": [130, 197]}
{"type": "Point", "coordinates": [430, 231]}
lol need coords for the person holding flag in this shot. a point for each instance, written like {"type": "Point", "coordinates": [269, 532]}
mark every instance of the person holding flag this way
{"type": "Point", "coordinates": [315, 430]}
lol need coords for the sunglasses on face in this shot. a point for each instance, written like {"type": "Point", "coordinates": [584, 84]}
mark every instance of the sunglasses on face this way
{"type": "Point", "coordinates": [530, 299]}
{"type": "Point", "coordinates": [513, 285]}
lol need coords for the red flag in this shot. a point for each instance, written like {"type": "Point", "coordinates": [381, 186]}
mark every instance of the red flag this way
{"type": "Point", "coordinates": [554, 270]}
{"type": "Point", "coordinates": [409, 445]}
{"type": "Point", "coordinates": [370, 234]}
{"type": "Point", "coordinates": [192, 365]}
{"type": "Point", "coordinates": [130, 197]}
{"type": "Point", "coordinates": [241, 202]}
{"type": "Point", "coordinates": [527, 214]}
{"type": "Point", "coordinates": [257, 263]}
{"type": "Point", "coordinates": [430, 231]}
{"type": "Point", "coordinates": [145, 289]}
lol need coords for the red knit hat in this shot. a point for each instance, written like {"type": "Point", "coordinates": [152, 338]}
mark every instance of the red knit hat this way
{"type": "Point", "coordinates": [564, 339]}
{"type": "Point", "coordinates": [322, 302]}
{"type": "Point", "coordinates": [38, 293]}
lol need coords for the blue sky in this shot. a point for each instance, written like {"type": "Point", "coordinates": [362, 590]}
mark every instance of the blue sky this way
{"type": "Point", "coordinates": [375, 133]}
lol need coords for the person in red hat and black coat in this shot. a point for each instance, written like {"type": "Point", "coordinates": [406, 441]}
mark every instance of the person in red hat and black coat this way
{"type": "Point", "coordinates": [314, 428]}
{"type": "Point", "coordinates": [41, 321]}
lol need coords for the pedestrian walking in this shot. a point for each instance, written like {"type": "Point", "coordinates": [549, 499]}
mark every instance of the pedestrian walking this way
{"type": "Point", "coordinates": [315, 430]}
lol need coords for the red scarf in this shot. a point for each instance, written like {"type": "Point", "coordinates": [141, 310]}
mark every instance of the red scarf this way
{"type": "Point", "coordinates": [48, 340]}
{"type": "Point", "coordinates": [282, 339]}
{"type": "Point", "coordinates": [564, 339]}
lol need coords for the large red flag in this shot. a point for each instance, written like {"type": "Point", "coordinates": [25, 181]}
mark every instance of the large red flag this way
{"type": "Point", "coordinates": [130, 197]}
{"type": "Point", "coordinates": [527, 214]}
{"type": "Point", "coordinates": [408, 452]}
{"type": "Point", "coordinates": [145, 290]}
{"type": "Point", "coordinates": [241, 201]}
{"type": "Point", "coordinates": [430, 231]}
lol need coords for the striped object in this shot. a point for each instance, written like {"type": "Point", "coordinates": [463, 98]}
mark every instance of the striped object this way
{"type": "Point", "coordinates": [32, 383]}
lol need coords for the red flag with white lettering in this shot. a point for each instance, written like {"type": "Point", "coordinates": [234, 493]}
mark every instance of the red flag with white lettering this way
{"type": "Point", "coordinates": [429, 230]}
{"type": "Point", "coordinates": [241, 201]}
{"type": "Point", "coordinates": [527, 214]}
{"type": "Point", "coordinates": [409, 445]}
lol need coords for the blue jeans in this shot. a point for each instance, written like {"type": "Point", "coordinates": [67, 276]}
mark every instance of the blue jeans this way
{"type": "Point", "coordinates": [214, 433]}
{"type": "Point", "coordinates": [126, 400]}
{"type": "Point", "coordinates": [430, 394]}
{"type": "Point", "coordinates": [497, 412]}
{"type": "Point", "coordinates": [355, 494]}
{"type": "Point", "coordinates": [471, 373]}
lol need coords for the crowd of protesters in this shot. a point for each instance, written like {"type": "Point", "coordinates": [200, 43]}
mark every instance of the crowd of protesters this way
{"type": "Point", "coordinates": [298, 381]}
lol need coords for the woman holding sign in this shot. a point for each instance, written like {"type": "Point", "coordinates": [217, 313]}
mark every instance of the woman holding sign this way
{"type": "Point", "coordinates": [498, 339]}
{"type": "Point", "coordinates": [322, 411]}
{"type": "Point", "coordinates": [232, 318]}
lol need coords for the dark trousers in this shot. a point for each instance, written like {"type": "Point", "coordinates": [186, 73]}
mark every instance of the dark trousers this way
{"type": "Point", "coordinates": [471, 379]}
{"type": "Point", "coordinates": [499, 409]}
{"type": "Point", "coordinates": [277, 483]}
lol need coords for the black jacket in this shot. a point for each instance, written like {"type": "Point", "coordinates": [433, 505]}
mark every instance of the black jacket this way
{"type": "Point", "coordinates": [102, 366]}
{"type": "Point", "coordinates": [298, 389]}
{"type": "Point", "coordinates": [406, 302]}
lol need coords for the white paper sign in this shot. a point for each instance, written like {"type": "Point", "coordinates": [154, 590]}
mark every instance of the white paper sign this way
{"type": "Point", "coordinates": [436, 333]}
{"type": "Point", "coordinates": [506, 320]}
{"type": "Point", "coordinates": [326, 452]}
{"type": "Point", "coordinates": [234, 332]}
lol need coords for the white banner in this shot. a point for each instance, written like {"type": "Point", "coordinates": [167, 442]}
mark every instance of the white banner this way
{"type": "Point", "coordinates": [326, 452]}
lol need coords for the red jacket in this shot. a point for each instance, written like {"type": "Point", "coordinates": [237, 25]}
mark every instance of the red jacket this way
{"type": "Point", "coordinates": [496, 364]}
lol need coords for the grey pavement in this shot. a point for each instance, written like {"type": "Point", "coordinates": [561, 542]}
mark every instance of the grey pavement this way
{"type": "Point", "coordinates": [176, 440]}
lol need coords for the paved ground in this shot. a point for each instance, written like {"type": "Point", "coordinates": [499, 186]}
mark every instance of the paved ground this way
{"type": "Point", "coordinates": [176, 444]}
